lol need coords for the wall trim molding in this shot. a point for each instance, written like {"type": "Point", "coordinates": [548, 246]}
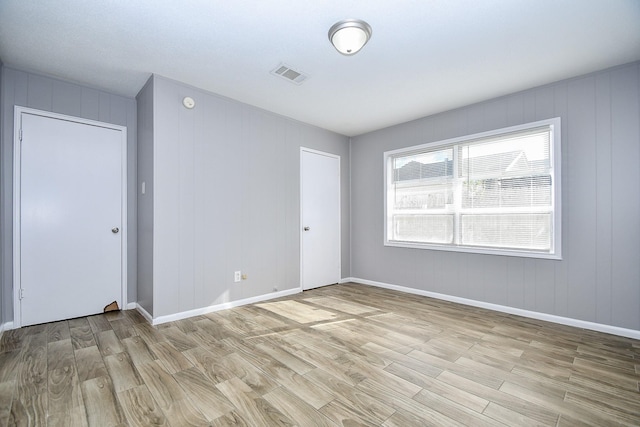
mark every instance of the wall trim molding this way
{"type": "Point", "coordinates": [568, 321]}
{"type": "Point", "coordinates": [217, 307]}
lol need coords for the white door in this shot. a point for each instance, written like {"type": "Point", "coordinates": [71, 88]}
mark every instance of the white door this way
{"type": "Point", "coordinates": [71, 218]}
{"type": "Point", "coordinates": [320, 218]}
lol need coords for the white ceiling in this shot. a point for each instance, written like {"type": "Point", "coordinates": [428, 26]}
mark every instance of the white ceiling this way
{"type": "Point", "coordinates": [425, 56]}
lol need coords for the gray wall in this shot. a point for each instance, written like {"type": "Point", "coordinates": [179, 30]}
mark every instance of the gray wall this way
{"type": "Point", "coordinates": [145, 201]}
{"type": "Point", "coordinates": [226, 197]}
{"type": "Point", "coordinates": [598, 279]}
{"type": "Point", "coordinates": [45, 93]}
{"type": "Point", "coordinates": [2, 210]}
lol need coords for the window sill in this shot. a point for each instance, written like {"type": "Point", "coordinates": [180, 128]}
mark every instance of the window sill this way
{"type": "Point", "coordinates": [476, 250]}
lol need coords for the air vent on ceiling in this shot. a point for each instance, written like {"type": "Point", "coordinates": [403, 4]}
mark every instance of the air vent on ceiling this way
{"type": "Point", "coordinates": [289, 74]}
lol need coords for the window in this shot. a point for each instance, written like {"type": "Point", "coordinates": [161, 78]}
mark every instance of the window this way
{"type": "Point", "coordinates": [497, 192]}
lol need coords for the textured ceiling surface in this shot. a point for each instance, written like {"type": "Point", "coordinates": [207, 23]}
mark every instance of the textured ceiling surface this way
{"type": "Point", "coordinates": [424, 56]}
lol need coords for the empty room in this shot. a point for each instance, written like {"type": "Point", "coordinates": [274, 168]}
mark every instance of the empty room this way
{"type": "Point", "coordinates": [320, 213]}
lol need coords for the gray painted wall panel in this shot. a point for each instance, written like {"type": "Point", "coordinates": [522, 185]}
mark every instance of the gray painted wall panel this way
{"type": "Point", "coordinates": [200, 186]}
{"type": "Point", "coordinates": [424, 268]}
{"type": "Point", "coordinates": [294, 136]}
{"type": "Point", "coordinates": [365, 237]}
{"type": "Point", "coordinates": [66, 98]}
{"type": "Point", "coordinates": [545, 286]}
{"type": "Point", "coordinates": [625, 150]}
{"type": "Point", "coordinates": [166, 200]}
{"type": "Point", "coordinates": [118, 109]}
{"type": "Point", "coordinates": [498, 281]}
{"type": "Point", "coordinates": [529, 272]}
{"type": "Point", "coordinates": [50, 94]}
{"type": "Point", "coordinates": [516, 283]}
{"type": "Point", "coordinates": [474, 124]}
{"type": "Point", "coordinates": [7, 92]}
{"type": "Point", "coordinates": [515, 109]}
{"type": "Point", "coordinates": [131, 119]}
{"type": "Point", "coordinates": [145, 201]}
{"type": "Point", "coordinates": [104, 107]}
{"type": "Point", "coordinates": [529, 106]}
{"type": "Point", "coordinates": [20, 89]}
{"type": "Point", "coordinates": [475, 286]}
{"type": "Point", "coordinates": [603, 198]}
{"type": "Point", "coordinates": [545, 98]}
{"type": "Point", "coordinates": [90, 104]}
{"type": "Point", "coordinates": [39, 92]}
{"type": "Point", "coordinates": [185, 223]}
{"type": "Point", "coordinates": [2, 231]}
{"type": "Point", "coordinates": [223, 122]}
{"type": "Point", "coordinates": [234, 149]}
{"type": "Point", "coordinates": [262, 203]}
{"type": "Point", "coordinates": [435, 271]}
{"type": "Point", "coordinates": [561, 269]}
{"type": "Point", "coordinates": [598, 279]}
{"type": "Point", "coordinates": [405, 261]}
{"type": "Point", "coordinates": [495, 114]}
{"type": "Point", "coordinates": [579, 184]}
{"type": "Point", "coordinates": [226, 198]}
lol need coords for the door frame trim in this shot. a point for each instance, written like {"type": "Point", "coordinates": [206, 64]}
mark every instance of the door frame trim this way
{"type": "Point", "coordinates": [17, 147]}
{"type": "Point", "coordinates": [334, 156]}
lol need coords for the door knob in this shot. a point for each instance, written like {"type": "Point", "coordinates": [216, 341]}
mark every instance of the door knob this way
{"type": "Point", "coordinates": [306, 228]}
{"type": "Point", "coordinates": [115, 230]}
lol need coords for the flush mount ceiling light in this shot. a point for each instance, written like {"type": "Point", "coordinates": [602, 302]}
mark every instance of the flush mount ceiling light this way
{"type": "Point", "coordinates": [349, 35]}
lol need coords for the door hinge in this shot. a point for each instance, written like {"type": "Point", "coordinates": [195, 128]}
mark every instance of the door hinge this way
{"type": "Point", "coordinates": [20, 135]}
{"type": "Point", "coordinates": [21, 295]}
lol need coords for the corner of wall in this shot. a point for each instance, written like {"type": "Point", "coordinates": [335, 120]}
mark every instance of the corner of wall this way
{"type": "Point", "coordinates": [3, 238]}
{"type": "Point", "coordinates": [144, 177]}
{"type": "Point", "coordinates": [350, 208]}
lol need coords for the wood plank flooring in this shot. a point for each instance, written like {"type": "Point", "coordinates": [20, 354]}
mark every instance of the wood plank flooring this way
{"type": "Point", "coordinates": [343, 355]}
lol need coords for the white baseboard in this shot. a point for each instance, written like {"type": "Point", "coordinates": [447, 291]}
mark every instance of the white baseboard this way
{"type": "Point", "coordinates": [614, 330]}
{"type": "Point", "coordinates": [210, 309]}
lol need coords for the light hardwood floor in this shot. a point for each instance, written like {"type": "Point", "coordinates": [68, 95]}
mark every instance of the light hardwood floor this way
{"type": "Point", "coordinates": [345, 355]}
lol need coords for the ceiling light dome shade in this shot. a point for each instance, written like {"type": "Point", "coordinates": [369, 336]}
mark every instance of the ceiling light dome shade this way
{"type": "Point", "coordinates": [349, 35]}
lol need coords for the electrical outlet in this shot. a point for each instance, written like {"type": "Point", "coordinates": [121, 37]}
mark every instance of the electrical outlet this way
{"type": "Point", "coordinates": [237, 276]}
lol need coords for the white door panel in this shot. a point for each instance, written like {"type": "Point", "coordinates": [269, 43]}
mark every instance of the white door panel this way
{"type": "Point", "coordinates": [320, 204]}
{"type": "Point", "coordinates": [70, 200]}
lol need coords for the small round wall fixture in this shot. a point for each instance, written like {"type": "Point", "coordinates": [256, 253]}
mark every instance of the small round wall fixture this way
{"type": "Point", "coordinates": [349, 35]}
{"type": "Point", "coordinates": [188, 102]}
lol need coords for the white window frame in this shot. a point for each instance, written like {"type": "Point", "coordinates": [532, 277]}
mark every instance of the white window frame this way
{"type": "Point", "coordinates": [556, 196]}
